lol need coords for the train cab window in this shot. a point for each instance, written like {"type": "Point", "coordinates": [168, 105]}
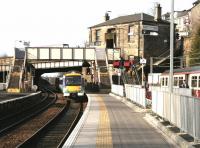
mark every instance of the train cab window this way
{"type": "Point", "coordinates": [194, 81]}
{"type": "Point", "coordinates": [73, 80]}
{"type": "Point", "coordinates": [175, 81]}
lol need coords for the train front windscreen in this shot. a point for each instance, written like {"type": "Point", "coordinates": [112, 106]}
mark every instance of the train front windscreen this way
{"type": "Point", "coordinates": [73, 80]}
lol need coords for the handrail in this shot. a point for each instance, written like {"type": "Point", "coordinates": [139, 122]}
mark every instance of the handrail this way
{"type": "Point", "coordinates": [22, 71]}
{"type": "Point", "coordinates": [108, 70]}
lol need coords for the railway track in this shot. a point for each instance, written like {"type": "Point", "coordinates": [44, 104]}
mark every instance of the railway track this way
{"type": "Point", "coordinates": [55, 132]}
{"type": "Point", "coordinates": [13, 119]}
{"type": "Point", "coordinates": [14, 126]}
{"type": "Point", "coordinates": [43, 126]}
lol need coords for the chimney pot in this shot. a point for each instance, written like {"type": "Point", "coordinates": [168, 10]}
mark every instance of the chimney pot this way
{"type": "Point", "coordinates": [106, 17]}
{"type": "Point", "coordinates": [158, 12]}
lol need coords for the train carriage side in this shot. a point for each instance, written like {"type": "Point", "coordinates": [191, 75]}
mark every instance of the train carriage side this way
{"type": "Point", "coordinates": [191, 76]}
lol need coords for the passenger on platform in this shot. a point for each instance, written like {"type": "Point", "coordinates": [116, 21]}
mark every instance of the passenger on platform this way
{"type": "Point", "coordinates": [184, 85]}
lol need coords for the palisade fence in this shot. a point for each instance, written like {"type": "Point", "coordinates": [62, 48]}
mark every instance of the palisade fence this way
{"type": "Point", "coordinates": [134, 93]}
{"type": "Point", "coordinates": [118, 90]}
{"type": "Point", "coordinates": [181, 110]}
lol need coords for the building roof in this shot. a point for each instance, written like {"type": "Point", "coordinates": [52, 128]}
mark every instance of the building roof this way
{"type": "Point", "coordinates": [196, 2]}
{"type": "Point", "coordinates": [128, 19]}
{"type": "Point", "coordinates": [182, 13]}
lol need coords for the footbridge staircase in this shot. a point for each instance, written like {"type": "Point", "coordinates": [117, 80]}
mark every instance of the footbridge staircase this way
{"type": "Point", "coordinates": [16, 72]}
{"type": "Point", "coordinates": [102, 68]}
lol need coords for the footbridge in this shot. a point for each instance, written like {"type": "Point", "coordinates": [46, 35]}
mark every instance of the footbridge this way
{"type": "Point", "coordinates": [30, 63]}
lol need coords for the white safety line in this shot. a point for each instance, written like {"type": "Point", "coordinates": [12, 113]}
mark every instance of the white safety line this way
{"type": "Point", "coordinates": [71, 139]}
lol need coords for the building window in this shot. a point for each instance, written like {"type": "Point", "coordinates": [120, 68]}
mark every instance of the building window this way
{"type": "Point", "coordinates": [130, 33]}
{"type": "Point", "coordinates": [98, 35]}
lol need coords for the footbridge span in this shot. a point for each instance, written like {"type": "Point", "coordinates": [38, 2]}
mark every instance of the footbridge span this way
{"type": "Point", "coordinates": [30, 63]}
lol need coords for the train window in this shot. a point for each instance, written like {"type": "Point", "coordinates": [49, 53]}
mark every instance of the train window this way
{"type": "Point", "coordinates": [180, 81]}
{"type": "Point", "coordinates": [163, 81]}
{"type": "Point", "coordinates": [175, 81]}
{"type": "Point", "coordinates": [199, 81]}
{"type": "Point", "coordinates": [73, 80]}
{"type": "Point", "coordinates": [166, 80]}
{"type": "Point", "coordinates": [194, 81]}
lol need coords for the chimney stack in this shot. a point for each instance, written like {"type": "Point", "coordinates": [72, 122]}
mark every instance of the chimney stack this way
{"type": "Point", "coordinates": [158, 12]}
{"type": "Point", "coordinates": [106, 17]}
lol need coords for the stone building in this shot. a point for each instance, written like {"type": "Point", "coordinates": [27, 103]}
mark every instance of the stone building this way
{"type": "Point", "coordinates": [194, 19]}
{"type": "Point", "coordinates": [195, 16]}
{"type": "Point", "coordinates": [137, 35]}
{"type": "Point", "coordinates": [182, 21]}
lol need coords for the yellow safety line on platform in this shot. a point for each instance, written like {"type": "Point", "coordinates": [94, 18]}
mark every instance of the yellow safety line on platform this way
{"type": "Point", "coordinates": [104, 136]}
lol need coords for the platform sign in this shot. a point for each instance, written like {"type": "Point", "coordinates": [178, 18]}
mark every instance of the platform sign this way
{"type": "Point", "coordinates": [143, 61]}
{"type": "Point", "coordinates": [150, 27]}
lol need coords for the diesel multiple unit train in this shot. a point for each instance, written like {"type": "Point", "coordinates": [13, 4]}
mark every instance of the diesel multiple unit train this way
{"type": "Point", "coordinates": [72, 84]}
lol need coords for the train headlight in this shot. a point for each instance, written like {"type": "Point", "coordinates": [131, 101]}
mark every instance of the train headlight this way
{"type": "Point", "coordinates": [66, 94]}
{"type": "Point", "coordinates": [81, 94]}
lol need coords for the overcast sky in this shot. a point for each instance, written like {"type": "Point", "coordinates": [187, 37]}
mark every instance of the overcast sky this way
{"type": "Point", "coordinates": [54, 22]}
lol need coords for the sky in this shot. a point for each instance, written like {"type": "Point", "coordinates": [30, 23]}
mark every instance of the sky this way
{"type": "Point", "coordinates": [57, 22]}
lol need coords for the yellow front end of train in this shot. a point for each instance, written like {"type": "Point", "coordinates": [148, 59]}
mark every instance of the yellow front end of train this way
{"type": "Point", "coordinates": [73, 85]}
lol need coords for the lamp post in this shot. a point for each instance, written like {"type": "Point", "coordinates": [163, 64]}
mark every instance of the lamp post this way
{"type": "Point", "coordinates": [171, 47]}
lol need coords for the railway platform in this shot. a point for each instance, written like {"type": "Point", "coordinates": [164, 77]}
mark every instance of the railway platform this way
{"type": "Point", "coordinates": [107, 122]}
